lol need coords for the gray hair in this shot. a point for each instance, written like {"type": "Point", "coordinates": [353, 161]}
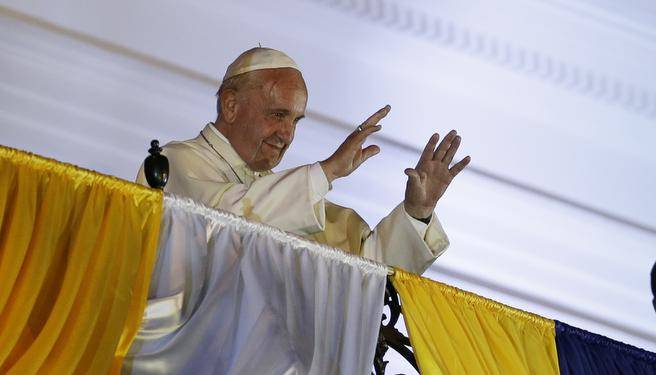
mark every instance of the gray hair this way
{"type": "Point", "coordinates": [235, 83]}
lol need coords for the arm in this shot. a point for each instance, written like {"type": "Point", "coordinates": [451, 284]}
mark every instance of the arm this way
{"type": "Point", "coordinates": [288, 200]}
{"type": "Point", "coordinates": [399, 239]}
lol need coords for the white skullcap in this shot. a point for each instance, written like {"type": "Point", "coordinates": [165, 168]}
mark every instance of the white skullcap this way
{"type": "Point", "coordinates": [259, 58]}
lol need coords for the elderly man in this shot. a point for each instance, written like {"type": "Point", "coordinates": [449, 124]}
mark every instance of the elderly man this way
{"type": "Point", "coordinates": [228, 166]}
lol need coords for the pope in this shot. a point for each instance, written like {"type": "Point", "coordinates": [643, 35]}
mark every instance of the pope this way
{"type": "Point", "coordinates": [228, 166]}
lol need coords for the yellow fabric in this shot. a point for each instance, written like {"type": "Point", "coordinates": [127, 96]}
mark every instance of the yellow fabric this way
{"type": "Point", "coordinates": [344, 229]}
{"type": "Point", "coordinates": [457, 332]}
{"type": "Point", "coordinates": [76, 252]}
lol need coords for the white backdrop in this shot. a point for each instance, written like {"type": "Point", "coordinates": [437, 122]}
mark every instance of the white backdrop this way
{"type": "Point", "coordinates": [555, 101]}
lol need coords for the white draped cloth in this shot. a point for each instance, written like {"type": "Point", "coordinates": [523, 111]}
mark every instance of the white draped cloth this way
{"type": "Point", "coordinates": [229, 296]}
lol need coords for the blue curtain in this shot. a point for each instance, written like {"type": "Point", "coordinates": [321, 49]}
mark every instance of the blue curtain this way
{"type": "Point", "coordinates": [583, 352]}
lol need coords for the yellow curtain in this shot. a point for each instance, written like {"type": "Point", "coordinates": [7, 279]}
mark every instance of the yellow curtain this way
{"type": "Point", "coordinates": [457, 332]}
{"type": "Point", "coordinates": [76, 253]}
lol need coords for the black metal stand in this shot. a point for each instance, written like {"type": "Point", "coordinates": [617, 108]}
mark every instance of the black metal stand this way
{"type": "Point", "coordinates": [389, 336]}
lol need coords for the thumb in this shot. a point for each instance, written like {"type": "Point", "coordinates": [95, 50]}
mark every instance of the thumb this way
{"type": "Point", "coordinates": [412, 174]}
{"type": "Point", "coordinates": [368, 152]}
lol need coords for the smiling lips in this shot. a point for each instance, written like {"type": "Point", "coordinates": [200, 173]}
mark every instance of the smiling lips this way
{"type": "Point", "coordinates": [279, 146]}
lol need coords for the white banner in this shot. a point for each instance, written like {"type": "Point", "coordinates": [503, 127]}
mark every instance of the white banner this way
{"type": "Point", "coordinates": [230, 296]}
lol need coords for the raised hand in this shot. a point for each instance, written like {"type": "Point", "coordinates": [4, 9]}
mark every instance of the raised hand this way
{"type": "Point", "coordinates": [428, 181]}
{"type": "Point", "coordinates": [350, 154]}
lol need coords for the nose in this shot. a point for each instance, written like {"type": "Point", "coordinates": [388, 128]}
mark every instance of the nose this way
{"type": "Point", "coordinates": [286, 131]}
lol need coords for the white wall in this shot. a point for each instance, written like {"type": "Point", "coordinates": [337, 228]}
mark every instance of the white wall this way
{"type": "Point", "coordinates": [556, 103]}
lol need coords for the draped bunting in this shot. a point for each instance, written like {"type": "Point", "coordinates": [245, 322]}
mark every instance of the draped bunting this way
{"type": "Point", "coordinates": [235, 297]}
{"type": "Point", "coordinates": [582, 352]}
{"type": "Point", "coordinates": [228, 296]}
{"type": "Point", "coordinates": [456, 332]}
{"type": "Point", "coordinates": [76, 252]}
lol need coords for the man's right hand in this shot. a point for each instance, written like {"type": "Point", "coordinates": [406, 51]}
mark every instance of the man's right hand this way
{"type": "Point", "coordinates": [350, 154]}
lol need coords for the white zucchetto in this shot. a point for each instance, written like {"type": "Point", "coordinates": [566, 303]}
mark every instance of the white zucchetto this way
{"type": "Point", "coordinates": [259, 58]}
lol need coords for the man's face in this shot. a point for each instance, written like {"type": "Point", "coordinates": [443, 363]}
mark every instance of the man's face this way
{"type": "Point", "coordinates": [266, 119]}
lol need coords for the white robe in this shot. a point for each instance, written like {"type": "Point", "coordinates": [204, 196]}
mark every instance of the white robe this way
{"type": "Point", "coordinates": [293, 200]}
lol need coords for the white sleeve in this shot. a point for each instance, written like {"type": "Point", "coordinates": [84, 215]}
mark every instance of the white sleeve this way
{"type": "Point", "coordinates": [285, 200]}
{"type": "Point", "coordinates": [398, 241]}
{"type": "Point", "coordinates": [318, 183]}
{"type": "Point", "coordinates": [291, 200]}
{"type": "Point", "coordinates": [419, 226]}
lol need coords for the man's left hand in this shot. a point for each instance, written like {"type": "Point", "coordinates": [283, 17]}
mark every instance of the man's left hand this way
{"type": "Point", "coordinates": [428, 181]}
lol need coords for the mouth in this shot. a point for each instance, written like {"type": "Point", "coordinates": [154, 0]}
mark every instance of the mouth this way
{"type": "Point", "coordinates": [277, 146]}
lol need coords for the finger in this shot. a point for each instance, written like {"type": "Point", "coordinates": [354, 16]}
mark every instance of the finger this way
{"type": "Point", "coordinates": [413, 175]}
{"type": "Point", "coordinates": [444, 145]}
{"type": "Point", "coordinates": [357, 133]}
{"type": "Point", "coordinates": [451, 152]}
{"type": "Point", "coordinates": [368, 152]}
{"type": "Point", "coordinates": [360, 136]}
{"type": "Point", "coordinates": [460, 166]}
{"type": "Point", "coordinates": [379, 115]}
{"type": "Point", "coordinates": [427, 154]}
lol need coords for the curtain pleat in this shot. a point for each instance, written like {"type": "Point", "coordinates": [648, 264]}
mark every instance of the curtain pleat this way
{"type": "Point", "coordinates": [76, 255]}
{"type": "Point", "coordinates": [457, 332]}
{"type": "Point", "coordinates": [583, 352]}
{"type": "Point", "coordinates": [230, 296]}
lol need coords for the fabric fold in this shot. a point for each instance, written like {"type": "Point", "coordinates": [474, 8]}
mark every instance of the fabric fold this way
{"type": "Point", "coordinates": [76, 252]}
{"type": "Point", "coordinates": [457, 332]}
{"type": "Point", "coordinates": [583, 352]}
{"type": "Point", "coordinates": [254, 299]}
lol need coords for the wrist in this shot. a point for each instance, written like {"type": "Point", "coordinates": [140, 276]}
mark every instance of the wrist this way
{"type": "Point", "coordinates": [424, 215]}
{"type": "Point", "coordinates": [327, 170]}
{"type": "Point", "coordinates": [425, 220]}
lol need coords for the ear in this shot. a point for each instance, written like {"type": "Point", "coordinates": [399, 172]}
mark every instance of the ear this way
{"type": "Point", "coordinates": [229, 106]}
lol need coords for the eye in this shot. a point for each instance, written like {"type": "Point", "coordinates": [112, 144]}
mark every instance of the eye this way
{"type": "Point", "coordinates": [279, 115]}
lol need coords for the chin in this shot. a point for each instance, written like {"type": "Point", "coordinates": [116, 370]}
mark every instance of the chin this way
{"type": "Point", "coordinates": [265, 165]}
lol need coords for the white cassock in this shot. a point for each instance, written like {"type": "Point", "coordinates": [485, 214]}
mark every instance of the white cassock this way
{"type": "Point", "coordinates": [208, 170]}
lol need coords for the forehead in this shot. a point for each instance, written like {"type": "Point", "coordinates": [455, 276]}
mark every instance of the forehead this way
{"type": "Point", "coordinates": [284, 87]}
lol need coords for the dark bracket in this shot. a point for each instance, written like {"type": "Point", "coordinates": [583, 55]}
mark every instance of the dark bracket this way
{"type": "Point", "coordinates": [389, 336]}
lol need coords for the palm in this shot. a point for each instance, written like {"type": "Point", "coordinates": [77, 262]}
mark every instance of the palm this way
{"type": "Point", "coordinates": [429, 180]}
{"type": "Point", "coordinates": [352, 158]}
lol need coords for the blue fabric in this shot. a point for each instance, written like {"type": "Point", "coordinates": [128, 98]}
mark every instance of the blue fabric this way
{"type": "Point", "coordinates": [583, 352]}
